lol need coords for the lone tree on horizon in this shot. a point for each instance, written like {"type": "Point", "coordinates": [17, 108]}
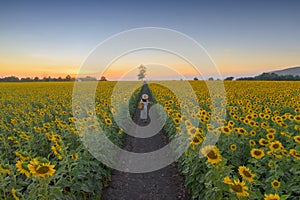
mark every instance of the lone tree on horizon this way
{"type": "Point", "coordinates": [142, 72]}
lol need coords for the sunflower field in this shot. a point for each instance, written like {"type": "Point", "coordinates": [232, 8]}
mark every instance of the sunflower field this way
{"type": "Point", "coordinates": [42, 156]}
{"type": "Point", "coordinates": [257, 155]}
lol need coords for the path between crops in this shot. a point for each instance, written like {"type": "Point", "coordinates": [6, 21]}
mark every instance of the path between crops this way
{"type": "Point", "coordinates": [164, 184]}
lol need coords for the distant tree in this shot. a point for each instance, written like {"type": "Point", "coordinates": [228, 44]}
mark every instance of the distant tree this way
{"type": "Point", "coordinates": [27, 79]}
{"type": "Point", "coordinates": [68, 78]}
{"type": "Point", "coordinates": [196, 79]}
{"type": "Point", "coordinates": [11, 79]}
{"type": "Point", "coordinates": [36, 79]}
{"type": "Point", "coordinates": [142, 72]}
{"type": "Point", "coordinates": [103, 78]}
{"type": "Point", "coordinates": [210, 78]}
{"type": "Point", "coordinates": [47, 79]}
{"type": "Point", "coordinates": [230, 78]}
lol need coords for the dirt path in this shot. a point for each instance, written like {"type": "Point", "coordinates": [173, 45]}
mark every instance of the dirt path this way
{"type": "Point", "coordinates": [163, 184]}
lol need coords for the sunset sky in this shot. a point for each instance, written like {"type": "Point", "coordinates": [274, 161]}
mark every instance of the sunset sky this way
{"type": "Point", "coordinates": [53, 38]}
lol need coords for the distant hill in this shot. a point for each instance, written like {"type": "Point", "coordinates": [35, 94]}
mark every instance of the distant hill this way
{"type": "Point", "coordinates": [288, 74]}
{"type": "Point", "coordinates": [288, 71]}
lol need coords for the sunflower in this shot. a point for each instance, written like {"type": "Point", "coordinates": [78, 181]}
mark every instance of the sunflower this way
{"type": "Point", "coordinates": [239, 188]}
{"type": "Point", "coordinates": [235, 117]}
{"type": "Point", "coordinates": [264, 142]}
{"type": "Point", "coordinates": [176, 120]}
{"type": "Point", "coordinates": [261, 115]}
{"type": "Point", "coordinates": [271, 130]}
{"type": "Point", "coordinates": [242, 131]}
{"type": "Point", "coordinates": [246, 173]}
{"type": "Point", "coordinates": [212, 154]}
{"type": "Point", "coordinates": [295, 153]}
{"type": "Point", "coordinates": [275, 146]}
{"type": "Point", "coordinates": [270, 136]}
{"type": "Point", "coordinates": [178, 115]}
{"type": "Point", "coordinates": [226, 130]}
{"type": "Point", "coordinates": [272, 197]}
{"type": "Point", "coordinates": [285, 152]}
{"type": "Point", "coordinates": [192, 130]}
{"type": "Point", "coordinates": [74, 156]}
{"type": "Point", "coordinates": [231, 123]}
{"type": "Point", "coordinates": [5, 169]}
{"type": "Point", "coordinates": [22, 155]}
{"type": "Point", "coordinates": [252, 142]}
{"type": "Point", "coordinates": [297, 139]}
{"type": "Point", "coordinates": [210, 127]}
{"type": "Point", "coordinates": [264, 125]}
{"type": "Point", "coordinates": [267, 116]}
{"type": "Point", "coordinates": [284, 125]}
{"type": "Point", "coordinates": [227, 180]}
{"type": "Point", "coordinates": [108, 121]}
{"type": "Point", "coordinates": [187, 123]}
{"type": "Point", "coordinates": [271, 164]}
{"type": "Point", "coordinates": [196, 140]}
{"type": "Point", "coordinates": [22, 168]}
{"type": "Point", "coordinates": [257, 153]}
{"type": "Point", "coordinates": [252, 133]}
{"type": "Point", "coordinates": [291, 117]}
{"type": "Point", "coordinates": [275, 184]}
{"type": "Point", "coordinates": [13, 192]}
{"type": "Point", "coordinates": [297, 118]}
{"type": "Point", "coordinates": [285, 134]}
{"type": "Point", "coordinates": [276, 154]}
{"type": "Point", "coordinates": [233, 147]}
{"type": "Point", "coordinates": [56, 150]}
{"type": "Point", "coordinates": [41, 168]}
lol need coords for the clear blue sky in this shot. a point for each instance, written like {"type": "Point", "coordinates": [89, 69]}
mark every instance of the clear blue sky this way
{"type": "Point", "coordinates": [243, 37]}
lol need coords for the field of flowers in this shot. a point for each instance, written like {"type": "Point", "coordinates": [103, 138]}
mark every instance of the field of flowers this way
{"type": "Point", "coordinates": [256, 157]}
{"type": "Point", "coordinates": [42, 156]}
{"type": "Point", "coordinates": [258, 152]}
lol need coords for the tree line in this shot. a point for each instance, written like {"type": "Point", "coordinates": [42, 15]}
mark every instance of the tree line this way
{"type": "Point", "coordinates": [272, 77]}
{"type": "Point", "coordinates": [262, 77]}
{"type": "Point", "coordinates": [49, 79]}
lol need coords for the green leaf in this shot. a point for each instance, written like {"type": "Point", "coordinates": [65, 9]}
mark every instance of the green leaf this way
{"type": "Point", "coordinates": [284, 197]}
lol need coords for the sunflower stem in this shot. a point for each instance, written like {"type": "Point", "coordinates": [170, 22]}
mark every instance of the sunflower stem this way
{"type": "Point", "coordinates": [3, 186]}
{"type": "Point", "coordinates": [46, 188]}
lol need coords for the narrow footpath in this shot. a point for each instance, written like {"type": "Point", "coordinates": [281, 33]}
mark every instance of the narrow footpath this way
{"type": "Point", "coordinates": [164, 184]}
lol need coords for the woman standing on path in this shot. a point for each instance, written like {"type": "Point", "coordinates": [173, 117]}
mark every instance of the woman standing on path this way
{"type": "Point", "coordinates": [144, 107]}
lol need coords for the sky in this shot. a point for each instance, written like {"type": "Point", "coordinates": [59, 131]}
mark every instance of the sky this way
{"type": "Point", "coordinates": [54, 38]}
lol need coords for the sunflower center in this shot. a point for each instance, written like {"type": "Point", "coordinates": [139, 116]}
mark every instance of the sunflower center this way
{"type": "Point", "coordinates": [212, 155]}
{"type": "Point", "coordinates": [265, 142]}
{"type": "Point", "coordinates": [236, 188]}
{"type": "Point", "coordinates": [196, 140]}
{"type": "Point", "coordinates": [193, 130]}
{"type": "Point", "coordinates": [257, 153]}
{"type": "Point", "coordinates": [42, 169]}
{"type": "Point", "coordinates": [247, 174]}
{"type": "Point", "coordinates": [276, 184]}
{"type": "Point", "coordinates": [275, 146]}
{"type": "Point", "coordinates": [270, 136]}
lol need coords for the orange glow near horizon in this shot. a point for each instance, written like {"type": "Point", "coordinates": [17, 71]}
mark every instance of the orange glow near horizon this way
{"type": "Point", "coordinates": [228, 63]}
